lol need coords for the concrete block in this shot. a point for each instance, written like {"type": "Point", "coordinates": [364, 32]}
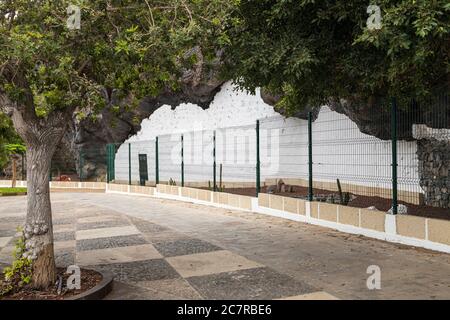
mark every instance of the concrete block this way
{"type": "Point", "coordinates": [328, 212]}
{"type": "Point", "coordinates": [301, 207]}
{"type": "Point", "coordinates": [276, 202]}
{"type": "Point", "coordinates": [204, 195]}
{"type": "Point", "coordinates": [411, 226]}
{"type": "Point", "coordinates": [233, 200]}
{"type": "Point", "coordinates": [439, 231]}
{"type": "Point", "coordinates": [372, 219]}
{"type": "Point", "coordinates": [349, 216]}
{"type": "Point", "coordinates": [245, 202]}
{"type": "Point", "coordinates": [263, 200]}
{"type": "Point", "coordinates": [290, 204]}
{"type": "Point", "coordinates": [223, 198]}
{"type": "Point", "coordinates": [315, 210]}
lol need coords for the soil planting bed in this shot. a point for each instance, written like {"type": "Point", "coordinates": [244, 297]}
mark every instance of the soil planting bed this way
{"type": "Point", "coordinates": [358, 201]}
{"type": "Point", "coordinates": [89, 279]}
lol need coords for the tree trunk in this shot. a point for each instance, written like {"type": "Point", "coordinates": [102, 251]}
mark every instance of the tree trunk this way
{"type": "Point", "coordinates": [41, 136]}
{"type": "Point", "coordinates": [14, 169]}
{"type": "Point", "coordinates": [39, 228]}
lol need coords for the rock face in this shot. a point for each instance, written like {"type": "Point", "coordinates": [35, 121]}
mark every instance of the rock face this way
{"type": "Point", "coordinates": [374, 117]}
{"type": "Point", "coordinates": [272, 100]}
{"type": "Point", "coordinates": [429, 124]}
{"type": "Point", "coordinates": [84, 145]}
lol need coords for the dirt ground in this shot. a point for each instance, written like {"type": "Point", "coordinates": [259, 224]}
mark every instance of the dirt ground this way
{"type": "Point", "coordinates": [359, 201]}
{"type": "Point", "coordinates": [89, 279]}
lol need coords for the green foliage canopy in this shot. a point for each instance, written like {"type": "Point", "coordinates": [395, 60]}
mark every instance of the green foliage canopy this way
{"type": "Point", "coordinates": [133, 47]}
{"type": "Point", "coordinates": [310, 51]}
{"type": "Point", "coordinates": [15, 148]}
{"type": "Point", "coordinates": [7, 136]}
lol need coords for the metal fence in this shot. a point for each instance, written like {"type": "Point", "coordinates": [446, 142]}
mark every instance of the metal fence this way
{"type": "Point", "coordinates": [379, 156]}
{"type": "Point", "coordinates": [85, 164]}
{"type": "Point", "coordinates": [395, 152]}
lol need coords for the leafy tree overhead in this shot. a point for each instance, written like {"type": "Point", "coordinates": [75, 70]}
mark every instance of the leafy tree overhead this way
{"type": "Point", "coordinates": [7, 135]}
{"type": "Point", "coordinates": [309, 52]}
{"type": "Point", "coordinates": [13, 150]}
{"type": "Point", "coordinates": [51, 70]}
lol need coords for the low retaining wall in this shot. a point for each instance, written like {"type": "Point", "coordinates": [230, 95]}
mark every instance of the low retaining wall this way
{"type": "Point", "coordinates": [207, 197]}
{"type": "Point", "coordinates": [290, 205]}
{"type": "Point", "coordinates": [428, 233]}
{"type": "Point", "coordinates": [124, 188]}
{"type": "Point", "coordinates": [412, 230]}
{"type": "Point", "coordinates": [7, 183]}
{"type": "Point", "coordinates": [64, 186]}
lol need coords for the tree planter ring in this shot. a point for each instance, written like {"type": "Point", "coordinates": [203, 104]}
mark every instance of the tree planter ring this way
{"type": "Point", "coordinates": [98, 292]}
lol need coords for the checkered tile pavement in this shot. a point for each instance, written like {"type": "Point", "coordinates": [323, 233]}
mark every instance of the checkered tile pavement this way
{"type": "Point", "coordinates": [150, 261]}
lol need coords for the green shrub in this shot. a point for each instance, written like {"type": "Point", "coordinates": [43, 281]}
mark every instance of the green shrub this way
{"type": "Point", "coordinates": [19, 273]}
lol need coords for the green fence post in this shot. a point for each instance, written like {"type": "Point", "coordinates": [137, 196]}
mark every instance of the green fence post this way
{"type": "Point", "coordinates": [310, 158]}
{"type": "Point", "coordinates": [157, 161]}
{"type": "Point", "coordinates": [110, 153]}
{"type": "Point", "coordinates": [81, 165]}
{"type": "Point", "coordinates": [113, 162]}
{"type": "Point", "coordinates": [258, 161]}
{"type": "Point", "coordinates": [182, 160]}
{"type": "Point", "coordinates": [107, 163]}
{"type": "Point", "coordinates": [214, 162]}
{"type": "Point", "coordinates": [394, 156]}
{"type": "Point", "coordinates": [129, 163]}
{"type": "Point", "coordinates": [23, 168]}
{"type": "Point", "coordinates": [109, 159]}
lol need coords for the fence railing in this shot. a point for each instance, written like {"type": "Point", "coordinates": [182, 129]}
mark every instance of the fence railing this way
{"type": "Point", "coordinates": [383, 156]}
{"type": "Point", "coordinates": [374, 157]}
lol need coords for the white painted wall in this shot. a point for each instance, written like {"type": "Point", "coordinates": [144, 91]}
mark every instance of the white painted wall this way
{"type": "Point", "coordinates": [340, 149]}
{"type": "Point", "coordinates": [230, 107]}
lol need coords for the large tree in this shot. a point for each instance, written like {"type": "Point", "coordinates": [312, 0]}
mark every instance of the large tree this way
{"type": "Point", "coordinates": [7, 136]}
{"type": "Point", "coordinates": [51, 69]}
{"type": "Point", "coordinates": [308, 52]}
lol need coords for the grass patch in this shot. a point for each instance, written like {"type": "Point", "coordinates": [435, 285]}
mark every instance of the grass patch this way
{"type": "Point", "coordinates": [8, 191]}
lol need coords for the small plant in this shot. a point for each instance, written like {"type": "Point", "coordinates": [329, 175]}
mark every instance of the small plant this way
{"type": "Point", "coordinates": [341, 196]}
{"type": "Point", "coordinates": [220, 180]}
{"type": "Point", "coordinates": [19, 273]}
{"type": "Point", "coordinates": [344, 197]}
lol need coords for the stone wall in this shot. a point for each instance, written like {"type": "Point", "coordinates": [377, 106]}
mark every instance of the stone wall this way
{"type": "Point", "coordinates": [433, 151]}
{"type": "Point", "coordinates": [434, 171]}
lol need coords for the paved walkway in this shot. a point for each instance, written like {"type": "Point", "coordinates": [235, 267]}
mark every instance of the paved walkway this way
{"type": "Point", "coordinates": [161, 249]}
